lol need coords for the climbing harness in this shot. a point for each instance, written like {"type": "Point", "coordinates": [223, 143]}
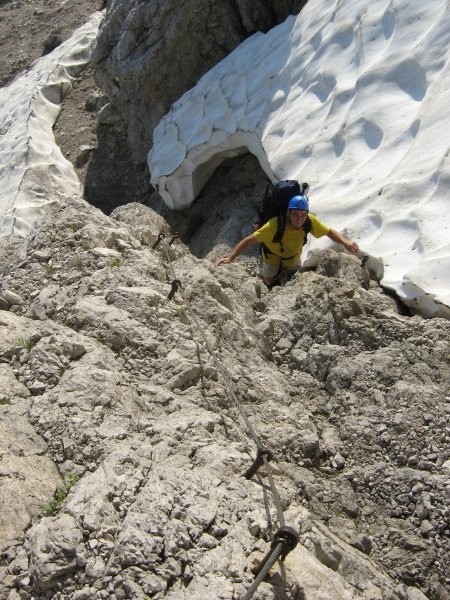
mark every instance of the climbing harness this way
{"type": "Point", "coordinates": [285, 538]}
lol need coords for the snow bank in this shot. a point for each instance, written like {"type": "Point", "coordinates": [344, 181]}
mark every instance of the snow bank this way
{"type": "Point", "coordinates": [353, 98]}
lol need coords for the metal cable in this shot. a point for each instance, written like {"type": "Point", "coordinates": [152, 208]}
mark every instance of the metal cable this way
{"type": "Point", "coordinates": [217, 364]}
{"type": "Point", "coordinates": [266, 568]}
{"type": "Point", "coordinates": [275, 494]}
{"type": "Point", "coordinates": [229, 387]}
{"type": "Point", "coordinates": [280, 546]}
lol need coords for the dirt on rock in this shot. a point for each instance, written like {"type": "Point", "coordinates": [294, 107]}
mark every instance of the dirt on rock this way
{"type": "Point", "coordinates": [31, 28]}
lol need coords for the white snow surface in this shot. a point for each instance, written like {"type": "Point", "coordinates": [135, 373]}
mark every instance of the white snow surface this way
{"type": "Point", "coordinates": [352, 97]}
{"type": "Point", "coordinates": [33, 172]}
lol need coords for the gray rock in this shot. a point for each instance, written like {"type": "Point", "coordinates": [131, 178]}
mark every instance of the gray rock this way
{"type": "Point", "coordinates": [52, 544]}
{"type": "Point", "coordinates": [141, 84]}
{"type": "Point", "coordinates": [363, 543]}
{"type": "Point", "coordinates": [44, 255]}
{"type": "Point", "coordinates": [109, 115]}
{"type": "Point", "coordinates": [83, 154]}
{"type": "Point", "coordinates": [133, 411]}
{"type": "Point", "coordinates": [327, 554]}
{"type": "Point", "coordinates": [28, 477]}
{"type": "Point", "coordinates": [145, 224]}
{"type": "Point", "coordinates": [344, 266]}
{"type": "Point", "coordinates": [10, 298]}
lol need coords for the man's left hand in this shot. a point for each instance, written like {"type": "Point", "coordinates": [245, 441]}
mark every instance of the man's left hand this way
{"type": "Point", "coordinates": [351, 246]}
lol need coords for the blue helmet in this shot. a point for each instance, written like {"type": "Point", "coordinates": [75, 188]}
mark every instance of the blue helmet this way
{"type": "Point", "coordinates": [298, 203]}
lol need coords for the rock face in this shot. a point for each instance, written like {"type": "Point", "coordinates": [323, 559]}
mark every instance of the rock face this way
{"type": "Point", "coordinates": [150, 52]}
{"type": "Point", "coordinates": [122, 451]}
{"type": "Point", "coordinates": [112, 399]}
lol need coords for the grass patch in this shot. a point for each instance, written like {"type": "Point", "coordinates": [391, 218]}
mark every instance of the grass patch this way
{"type": "Point", "coordinates": [26, 343]}
{"type": "Point", "coordinates": [50, 269]}
{"type": "Point", "coordinates": [115, 263]}
{"type": "Point", "coordinates": [73, 226]}
{"type": "Point", "coordinates": [55, 505]}
{"type": "Point", "coordinates": [78, 263]}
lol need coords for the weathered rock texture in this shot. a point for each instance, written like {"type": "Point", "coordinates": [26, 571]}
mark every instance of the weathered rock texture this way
{"type": "Point", "coordinates": [59, 23]}
{"type": "Point", "coordinates": [111, 396]}
{"type": "Point", "coordinates": [150, 52]}
{"type": "Point", "coordinates": [122, 454]}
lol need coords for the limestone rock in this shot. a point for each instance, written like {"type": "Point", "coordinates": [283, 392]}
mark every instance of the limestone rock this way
{"type": "Point", "coordinates": [28, 476]}
{"type": "Point", "coordinates": [53, 543]}
{"type": "Point", "coordinates": [345, 266]}
{"type": "Point", "coordinates": [130, 396]}
{"type": "Point", "coordinates": [169, 34]}
{"type": "Point", "coordinates": [11, 390]}
{"type": "Point", "coordinates": [110, 396]}
{"type": "Point", "coordinates": [8, 298]}
{"type": "Point", "coordinates": [145, 224]}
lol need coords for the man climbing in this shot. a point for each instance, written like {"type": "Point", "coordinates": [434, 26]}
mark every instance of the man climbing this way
{"type": "Point", "coordinates": [284, 255]}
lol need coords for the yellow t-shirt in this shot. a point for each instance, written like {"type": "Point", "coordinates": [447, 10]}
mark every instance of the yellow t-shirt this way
{"type": "Point", "coordinates": [292, 241]}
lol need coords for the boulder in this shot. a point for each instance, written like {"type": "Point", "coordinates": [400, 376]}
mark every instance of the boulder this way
{"type": "Point", "coordinates": [52, 544]}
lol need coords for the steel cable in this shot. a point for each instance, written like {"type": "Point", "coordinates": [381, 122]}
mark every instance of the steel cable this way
{"type": "Point", "coordinates": [280, 546]}
{"type": "Point", "coordinates": [217, 364]}
{"type": "Point", "coordinates": [277, 551]}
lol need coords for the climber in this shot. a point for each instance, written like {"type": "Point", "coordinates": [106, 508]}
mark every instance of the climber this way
{"type": "Point", "coordinates": [282, 240]}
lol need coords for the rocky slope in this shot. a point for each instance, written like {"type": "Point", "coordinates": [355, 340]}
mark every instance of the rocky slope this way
{"type": "Point", "coordinates": [127, 452]}
{"type": "Point", "coordinates": [122, 452]}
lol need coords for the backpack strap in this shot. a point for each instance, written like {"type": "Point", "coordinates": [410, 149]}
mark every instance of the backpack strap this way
{"type": "Point", "coordinates": [306, 228]}
{"type": "Point", "coordinates": [281, 226]}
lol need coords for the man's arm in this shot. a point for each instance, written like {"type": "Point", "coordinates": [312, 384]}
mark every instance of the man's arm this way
{"type": "Point", "coordinates": [238, 249]}
{"type": "Point", "coordinates": [340, 239]}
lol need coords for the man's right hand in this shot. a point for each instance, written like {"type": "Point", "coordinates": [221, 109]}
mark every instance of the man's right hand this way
{"type": "Point", "coordinates": [238, 250]}
{"type": "Point", "coordinates": [226, 260]}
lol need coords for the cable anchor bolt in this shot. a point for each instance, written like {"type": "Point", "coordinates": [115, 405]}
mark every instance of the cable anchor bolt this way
{"type": "Point", "coordinates": [288, 537]}
{"type": "Point", "coordinates": [160, 237]}
{"type": "Point", "coordinates": [176, 285]}
{"type": "Point", "coordinates": [259, 461]}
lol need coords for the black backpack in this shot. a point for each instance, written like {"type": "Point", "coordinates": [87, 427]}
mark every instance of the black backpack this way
{"type": "Point", "coordinates": [275, 203]}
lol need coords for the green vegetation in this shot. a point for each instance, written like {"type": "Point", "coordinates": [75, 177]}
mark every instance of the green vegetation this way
{"type": "Point", "coordinates": [49, 269]}
{"type": "Point", "coordinates": [60, 495]}
{"type": "Point", "coordinates": [26, 343]}
{"type": "Point", "coordinates": [114, 263]}
{"type": "Point", "coordinates": [78, 263]}
{"type": "Point", "coordinates": [74, 226]}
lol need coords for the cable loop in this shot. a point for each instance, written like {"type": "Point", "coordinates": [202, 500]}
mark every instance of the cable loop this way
{"type": "Point", "coordinates": [285, 540]}
{"type": "Point", "coordinates": [158, 240]}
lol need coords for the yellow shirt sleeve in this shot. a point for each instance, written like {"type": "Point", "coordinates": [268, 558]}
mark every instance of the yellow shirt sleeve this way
{"type": "Point", "coordinates": [265, 233]}
{"type": "Point", "coordinates": [318, 228]}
